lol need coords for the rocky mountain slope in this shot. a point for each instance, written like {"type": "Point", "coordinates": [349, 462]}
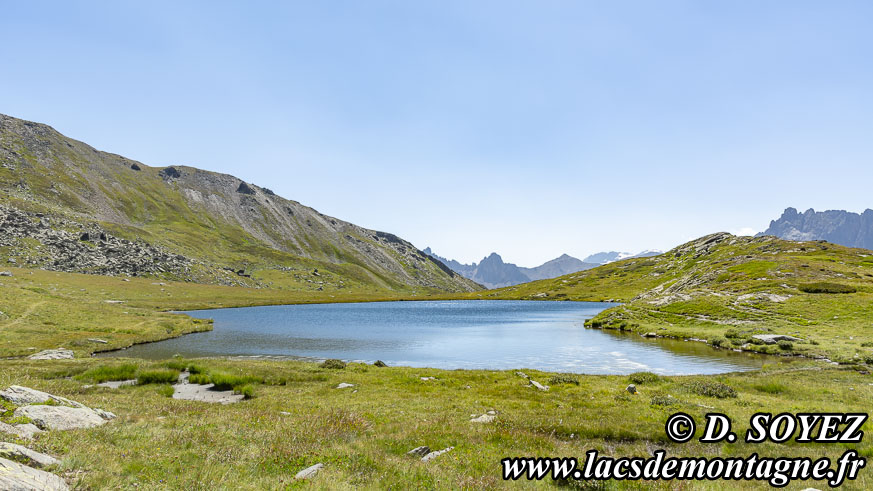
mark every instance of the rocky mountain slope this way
{"type": "Point", "coordinates": [492, 272]}
{"type": "Point", "coordinates": [67, 206]}
{"type": "Point", "coordinates": [836, 226]}
{"type": "Point", "coordinates": [733, 292]}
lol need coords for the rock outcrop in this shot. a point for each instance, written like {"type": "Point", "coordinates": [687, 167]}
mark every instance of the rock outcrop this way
{"type": "Point", "coordinates": [19, 477]}
{"type": "Point", "coordinates": [835, 226]}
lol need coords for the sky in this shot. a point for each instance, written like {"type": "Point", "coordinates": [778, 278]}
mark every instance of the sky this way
{"type": "Point", "coordinates": [531, 129]}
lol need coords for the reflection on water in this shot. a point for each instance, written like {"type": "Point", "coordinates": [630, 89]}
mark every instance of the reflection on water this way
{"type": "Point", "coordinates": [445, 334]}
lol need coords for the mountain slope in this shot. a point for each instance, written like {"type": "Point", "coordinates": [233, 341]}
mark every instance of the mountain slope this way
{"type": "Point", "coordinates": [836, 226]}
{"type": "Point", "coordinates": [229, 230]}
{"type": "Point", "coordinates": [564, 264]}
{"type": "Point", "coordinates": [727, 289]}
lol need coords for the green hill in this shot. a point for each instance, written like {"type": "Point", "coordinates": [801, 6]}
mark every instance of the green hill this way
{"type": "Point", "coordinates": [726, 290]}
{"type": "Point", "coordinates": [69, 207]}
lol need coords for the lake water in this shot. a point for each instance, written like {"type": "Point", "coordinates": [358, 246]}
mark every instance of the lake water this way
{"type": "Point", "coordinates": [445, 334]}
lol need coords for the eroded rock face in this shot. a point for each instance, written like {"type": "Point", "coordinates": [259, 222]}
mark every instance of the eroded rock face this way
{"type": "Point", "coordinates": [15, 476]}
{"type": "Point", "coordinates": [60, 417]}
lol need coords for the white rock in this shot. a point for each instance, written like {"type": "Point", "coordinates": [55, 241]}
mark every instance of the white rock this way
{"type": "Point", "coordinates": [309, 472]}
{"type": "Point", "coordinates": [60, 417]}
{"type": "Point", "coordinates": [485, 418]}
{"type": "Point", "coordinates": [115, 384]}
{"type": "Point", "coordinates": [538, 385]}
{"type": "Point", "coordinates": [204, 393]}
{"type": "Point", "coordinates": [18, 453]}
{"type": "Point", "coordinates": [433, 455]}
{"type": "Point", "coordinates": [25, 431]}
{"type": "Point", "coordinates": [419, 451]}
{"type": "Point", "coordinates": [15, 476]}
{"type": "Point", "coordinates": [20, 396]}
{"type": "Point", "coordinates": [53, 354]}
{"type": "Point", "coordinates": [344, 386]}
{"type": "Point", "coordinates": [428, 378]}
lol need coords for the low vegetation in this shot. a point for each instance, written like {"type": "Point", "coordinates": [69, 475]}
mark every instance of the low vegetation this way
{"type": "Point", "coordinates": [362, 437]}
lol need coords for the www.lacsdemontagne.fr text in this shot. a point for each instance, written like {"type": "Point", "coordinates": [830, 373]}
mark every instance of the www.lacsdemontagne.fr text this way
{"type": "Point", "coordinates": [778, 472]}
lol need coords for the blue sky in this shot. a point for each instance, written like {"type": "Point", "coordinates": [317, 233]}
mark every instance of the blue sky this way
{"type": "Point", "coordinates": [527, 128]}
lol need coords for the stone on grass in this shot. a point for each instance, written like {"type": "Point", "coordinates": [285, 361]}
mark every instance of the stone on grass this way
{"type": "Point", "coordinates": [25, 431]}
{"type": "Point", "coordinates": [309, 472]}
{"type": "Point", "coordinates": [5, 273]}
{"type": "Point", "coordinates": [60, 417]}
{"type": "Point", "coordinates": [25, 455]}
{"type": "Point", "coordinates": [53, 354]}
{"type": "Point", "coordinates": [428, 378]}
{"type": "Point", "coordinates": [433, 455]}
{"type": "Point", "coordinates": [538, 385]}
{"type": "Point", "coordinates": [21, 477]}
{"type": "Point", "coordinates": [98, 341]}
{"type": "Point", "coordinates": [419, 451]}
{"type": "Point", "coordinates": [344, 386]}
{"type": "Point", "coordinates": [631, 388]}
{"type": "Point", "coordinates": [20, 396]}
{"type": "Point", "coordinates": [485, 418]}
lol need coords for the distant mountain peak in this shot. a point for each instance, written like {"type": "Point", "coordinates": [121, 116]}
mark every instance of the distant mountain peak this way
{"type": "Point", "coordinates": [836, 226]}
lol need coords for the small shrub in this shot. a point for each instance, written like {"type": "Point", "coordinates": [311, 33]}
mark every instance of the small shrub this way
{"type": "Point", "coordinates": [195, 369]}
{"type": "Point", "coordinates": [712, 389]}
{"type": "Point", "coordinates": [563, 378]}
{"type": "Point", "coordinates": [643, 377]}
{"type": "Point", "coordinates": [246, 390]}
{"type": "Point", "coordinates": [733, 333]}
{"type": "Point", "coordinates": [380, 363]}
{"type": "Point", "coordinates": [826, 287]}
{"type": "Point", "coordinates": [334, 364]}
{"type": "Point", "coordinates": [160, 376]}
{"type": "Point", "coordinates": [664, 400]}
{"type": "Point", "coordinates": [166, 390]}
{"type": "Point", "coordinates": [108, 373]}
{"type": "Point", "coordinates": [868, 358]}
{"type": "Point", "coordinates": [868, 344]}
{"type": "Point", "coordinates": [719, 342]}
{"type": "Point", "coordinates": [786, 345]}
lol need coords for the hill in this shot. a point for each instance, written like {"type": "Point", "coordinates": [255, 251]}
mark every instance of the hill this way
{"type": "Point", "coordinates": [69, 207]}
{"type": "Point", "coordinates": [837, 226]}
{"type": "Point", "coordinates": [727, 290]}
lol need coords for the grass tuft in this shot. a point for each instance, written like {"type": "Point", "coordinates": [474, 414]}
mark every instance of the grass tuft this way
{"type": "Point", "coordinates": [158, 376]}
{"type": "Point", "coordinates": [333, 364]}
{"type": "Point", "coordinates": [109, 373]}
{"type": "Point", "coordinates": [711, 389]}
{"type": "Point", "coordinates": [644, 377]}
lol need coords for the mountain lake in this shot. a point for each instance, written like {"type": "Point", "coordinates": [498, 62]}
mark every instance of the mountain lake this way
{"type": "Point", "coordinates": [463, 334]}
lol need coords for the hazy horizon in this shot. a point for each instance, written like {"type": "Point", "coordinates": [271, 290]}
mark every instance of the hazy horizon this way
{"type": "Point", "coordinates": [530, 130]}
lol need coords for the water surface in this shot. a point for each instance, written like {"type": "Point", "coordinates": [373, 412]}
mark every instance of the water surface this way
{"type": "Point", "coordinates": [487, 334]}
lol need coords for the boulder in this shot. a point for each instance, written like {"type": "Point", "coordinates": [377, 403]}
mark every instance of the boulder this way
{"type": "Point", "coordinates": [485, 418]}
{"type": "Point", "coordinates": [631, 389]}
{"type": "Point", "coordinates": [53, 354]}
{"type": "Point", "coordinates": [309, 472]}
{"type": "Point", "coordinates": [25, 455]}
{"type": "Point", "coordinates": [344, 386]}
{"type": "Point", "coordinates": [17, 476]}
{"type": "Point", "coordinates": [21, 396]}
{"type": "Point", "coordinates": [60, 417]}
